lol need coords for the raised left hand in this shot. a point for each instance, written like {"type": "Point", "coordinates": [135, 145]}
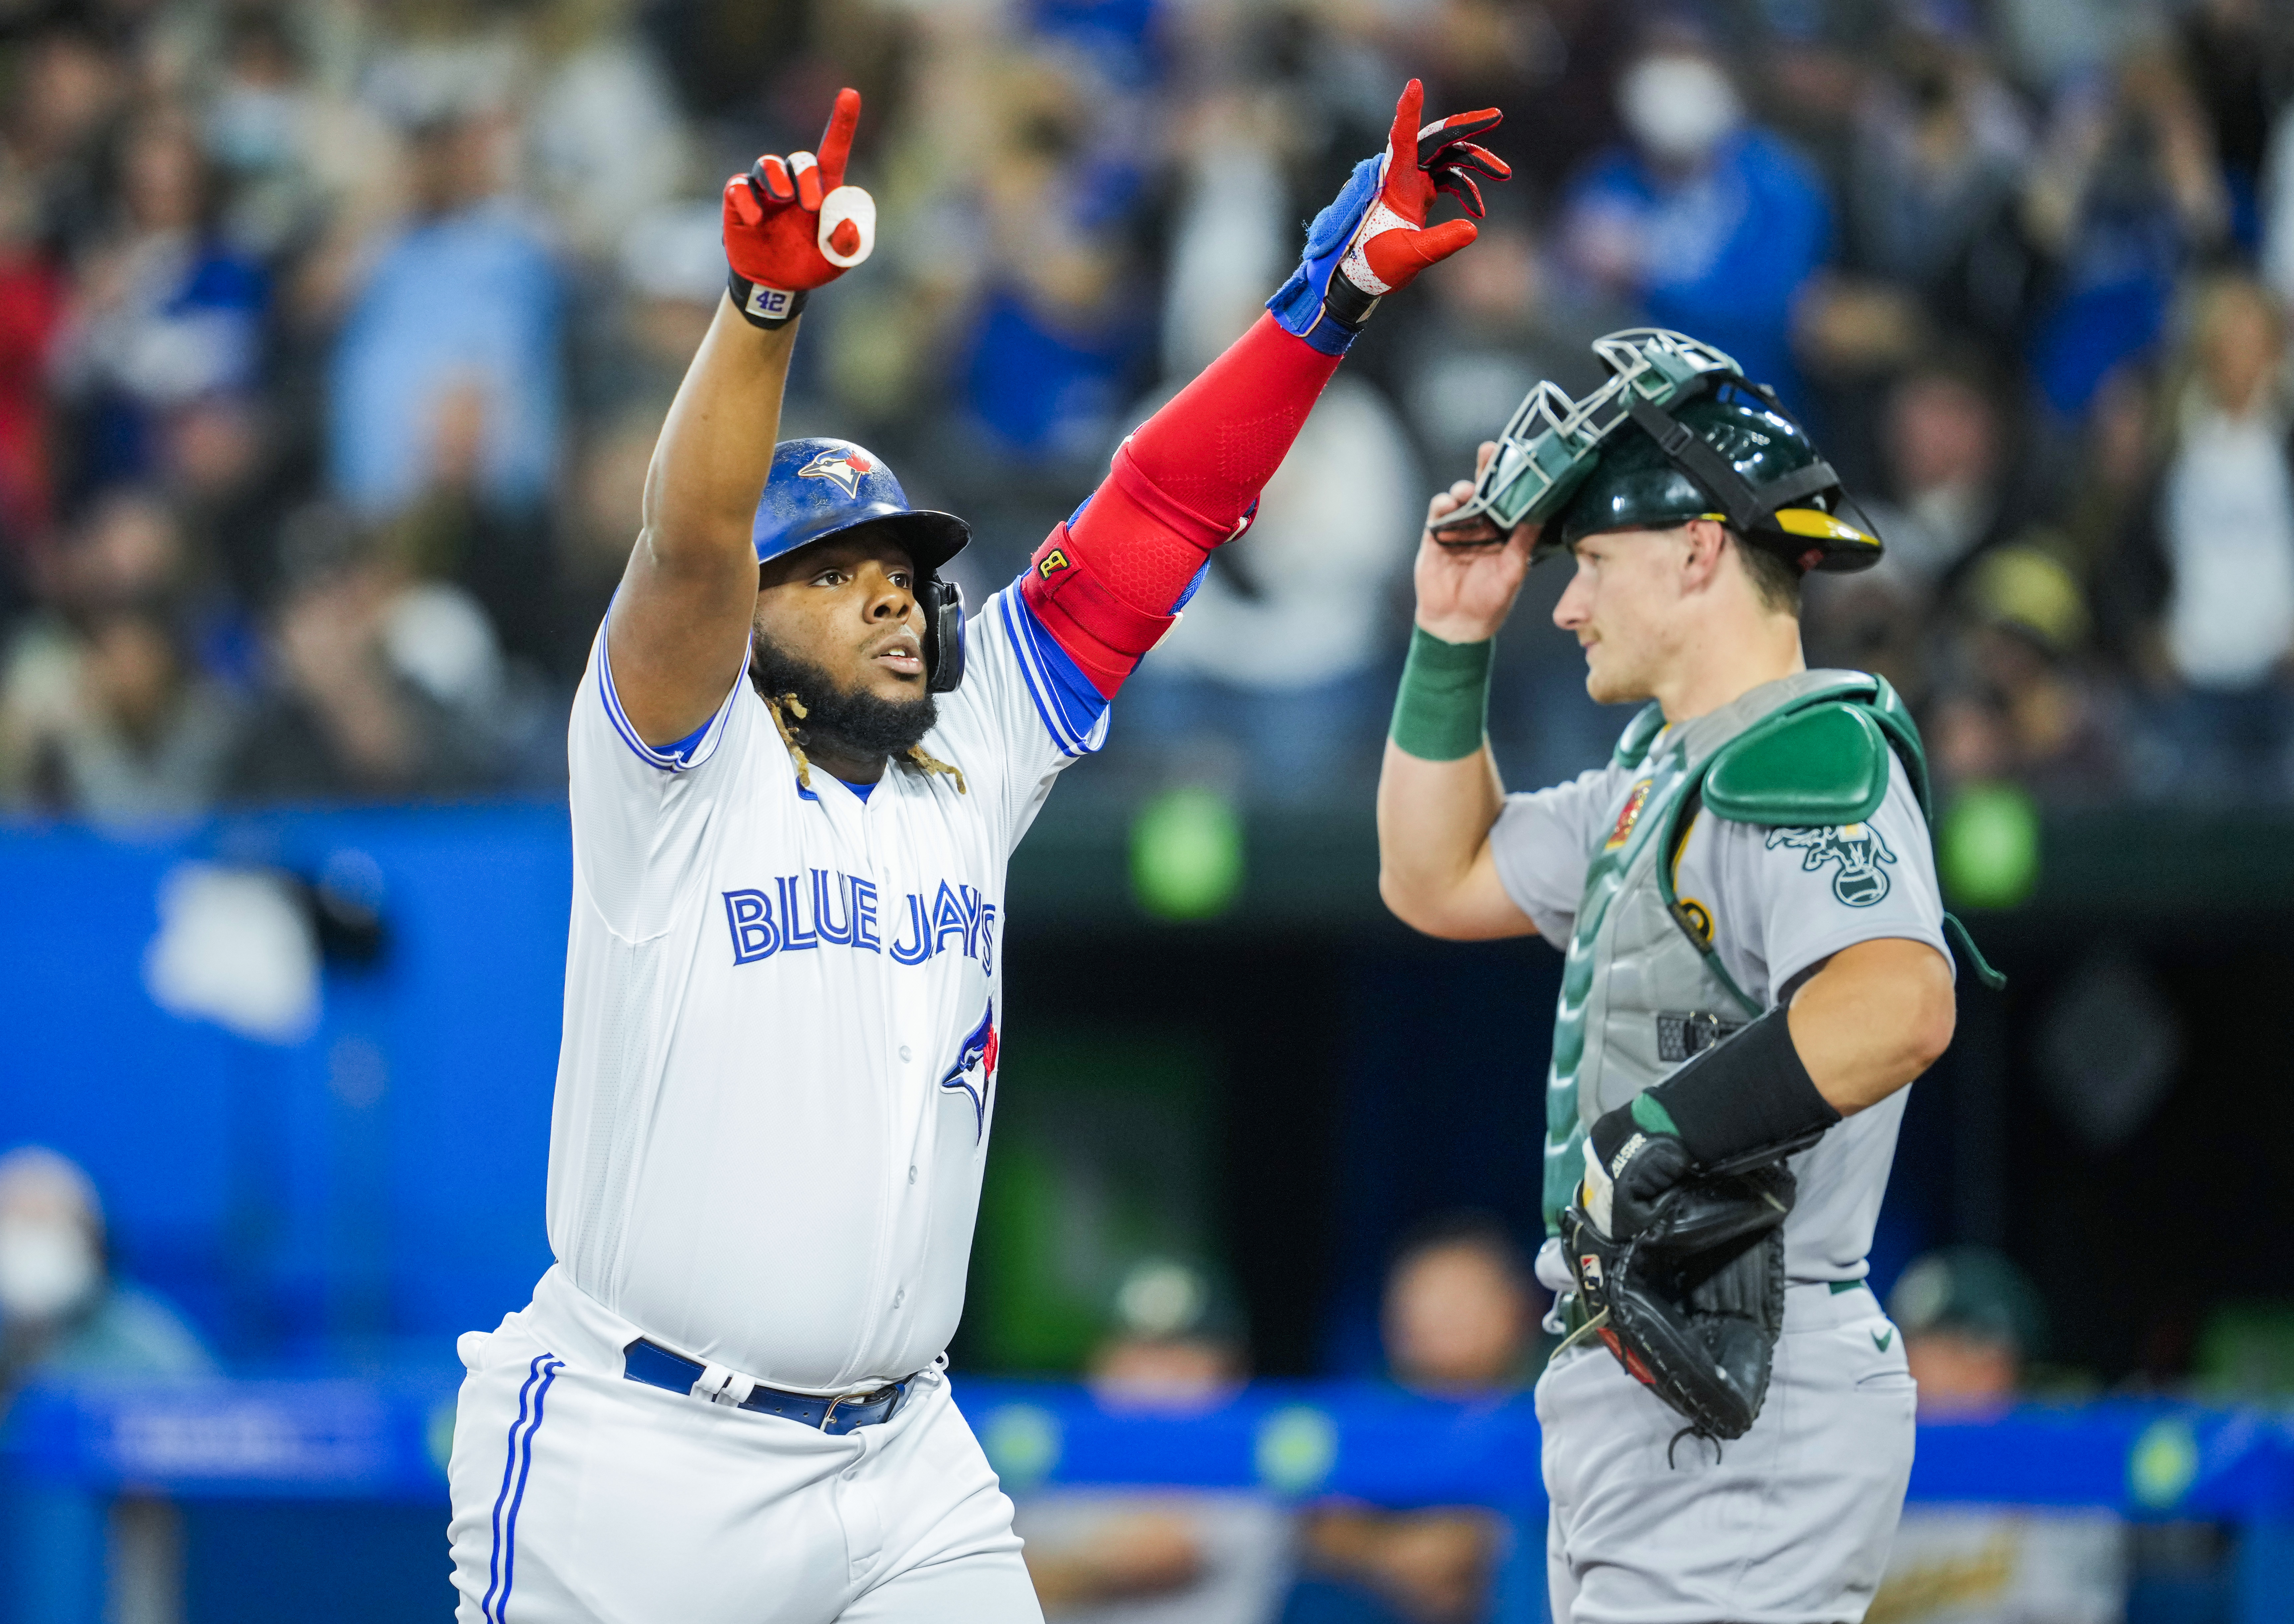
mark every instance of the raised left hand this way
{"type": "Point", "coordinates": [1393, 242]}
{"type": "Point", "coordinates": [1373, 237]}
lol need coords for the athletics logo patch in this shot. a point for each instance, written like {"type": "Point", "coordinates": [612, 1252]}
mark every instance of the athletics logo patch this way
{"type": "Point", "coordinates": [1858, 848]}
{"type": "Point", "coordinates": [844, 469]}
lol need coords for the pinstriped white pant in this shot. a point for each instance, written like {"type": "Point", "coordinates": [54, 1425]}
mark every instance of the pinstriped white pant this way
{"type": "Point", "coordinates": [582, 1498]}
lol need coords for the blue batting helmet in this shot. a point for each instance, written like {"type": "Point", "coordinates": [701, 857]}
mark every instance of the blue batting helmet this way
{"type": "Point", "coordinates": [818, 488]}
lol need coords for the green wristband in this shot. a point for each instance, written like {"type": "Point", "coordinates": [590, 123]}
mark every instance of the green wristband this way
{"type": "Point", "coordinates": [1443, 709]}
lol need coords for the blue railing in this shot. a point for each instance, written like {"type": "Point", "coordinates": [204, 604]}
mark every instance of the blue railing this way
{"type": "Point", "coordinates": [68, 1450]}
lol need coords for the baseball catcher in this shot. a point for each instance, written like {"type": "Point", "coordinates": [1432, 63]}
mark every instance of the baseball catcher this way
{"type": "Point", "coordinates": [1756, 965]}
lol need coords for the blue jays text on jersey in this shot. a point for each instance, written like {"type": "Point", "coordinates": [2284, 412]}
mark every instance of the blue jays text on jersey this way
{"type": "Point", "coordinates": [846, 911]}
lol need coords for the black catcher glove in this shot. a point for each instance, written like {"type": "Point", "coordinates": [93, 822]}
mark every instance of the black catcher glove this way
{"type": "Point", "coordinates": [1692, 1299]}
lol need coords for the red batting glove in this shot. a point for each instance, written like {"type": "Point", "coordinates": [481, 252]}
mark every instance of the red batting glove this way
{"type": "Point", "coordinates": [792, 224]}
{"type": "Point", "coordinates": [1395, 243]}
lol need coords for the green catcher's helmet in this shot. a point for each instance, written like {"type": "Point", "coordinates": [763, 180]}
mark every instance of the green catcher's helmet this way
{"type": "Point", "coordinates": [1678, 433]}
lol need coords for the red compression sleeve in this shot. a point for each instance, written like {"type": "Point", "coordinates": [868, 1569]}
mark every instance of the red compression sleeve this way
{"type": "Point", "coordinates": [1104, 585]}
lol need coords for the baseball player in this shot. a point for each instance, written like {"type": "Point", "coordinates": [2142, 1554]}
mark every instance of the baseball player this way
{"type": "Point", "coordinates": [797, 774]}
{"type": "Point", "coordinates": [1755, 958]}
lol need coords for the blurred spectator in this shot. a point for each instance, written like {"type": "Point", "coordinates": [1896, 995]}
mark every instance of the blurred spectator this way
{"type": "Point", "coordinates": [1279, 655]}
{"type": "Point", "coordinates": [2226, 535]}
{"type": "Point", "coordinates": [1710, 224]}
{"type": "Point", "coordinates": [380, 685]}
{"type": "Point", "coordinates": [2125, 194]}
{"type": "Point", "coordinates": [63, 91]}
{"type": "Point", "coordinates": [1930, 242]}
{"type": "Point", "coordinates": [103, 712]}
{"type": "Point", "coordinates": [1970, 1319]}
{"type": "Point", "coordinates": [2022, 702]}
{"type": "Point", "coordinates": [2238, 68]}
{"type": "Point", "coordinates": [163, 312]}
{"type": "Point", "coordinates": [1058, 333]}
{"type": "Point", "coordinates": [1947, 448]}
{"type": "Point", "coordinates": [1460, 1323]}
{"type": "Point", "coordinates": [63, 1311]}
{"type": "Point", "coordinates": [314, 174]}
{"type": "Point", "coordinates": [2108, 518]}
{"type": "Point", "coordinates": [1549, 66]}
{"type": "Point", "coordinates": [31, 309]}
{"type": "Point", "coordinates": [606, 138]}
{"type": "Point", "coordinates": [445, 380]}
{"type": "Point", "coordinates": [1180, 1556]}
{"type": "Point", "coordinates": [1460, 1317]}
{"type": "Point", "coordinates": [66, 1315]}
{"type": "Point", "coordinates": [1495, 324]}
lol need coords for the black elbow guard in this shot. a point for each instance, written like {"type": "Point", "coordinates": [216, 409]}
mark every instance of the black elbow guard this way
{"type": "Point", "coordinates": [1750, 1093]}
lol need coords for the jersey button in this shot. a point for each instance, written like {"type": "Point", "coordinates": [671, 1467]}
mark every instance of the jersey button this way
{"type": "Point", "coordinates": [912, 1173]}
{"type": "Point", "coordinates": [899, 1296]}
{"type": "Point", "coordinates": [904, 1054]}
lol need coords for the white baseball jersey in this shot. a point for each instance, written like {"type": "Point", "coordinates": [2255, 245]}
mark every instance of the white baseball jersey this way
{"type": "Point", "coordinates": [778, 1077]}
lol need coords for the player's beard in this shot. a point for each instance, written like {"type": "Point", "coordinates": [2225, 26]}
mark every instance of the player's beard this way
{"type": "Point", "coordinates": [842, 722]}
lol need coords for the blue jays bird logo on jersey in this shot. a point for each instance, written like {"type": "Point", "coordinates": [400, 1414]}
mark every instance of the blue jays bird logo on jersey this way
{"type": "Point", "coordinates": [845, 469]}
{"type": "Point", "coordinates": [1858, 848]}
{"type": "Point", "coordinates": [974, 1071]}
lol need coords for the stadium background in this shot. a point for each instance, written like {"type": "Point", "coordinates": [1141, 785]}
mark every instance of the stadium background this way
{"type": "Point", "coordinates": [333, 339]}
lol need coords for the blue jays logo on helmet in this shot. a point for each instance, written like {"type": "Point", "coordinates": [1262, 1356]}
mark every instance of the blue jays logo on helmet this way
{"type": "Point", "coordinates": [818, 488]}
{"type": "Point", "coordinates": [847, 469]}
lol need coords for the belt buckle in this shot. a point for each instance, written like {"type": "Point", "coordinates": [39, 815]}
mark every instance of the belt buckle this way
{"type": "Point", "coordinates": [842, 1399]}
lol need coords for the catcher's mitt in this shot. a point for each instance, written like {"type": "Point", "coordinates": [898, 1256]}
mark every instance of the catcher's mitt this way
{"type": "Point", "coordinates": [1692, 1304]}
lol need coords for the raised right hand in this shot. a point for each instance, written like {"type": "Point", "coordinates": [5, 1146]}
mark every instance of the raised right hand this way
{"type": "Point", "coordinates": [792, 224]}
{"type": "Point", "coordinates": [1466, 591]}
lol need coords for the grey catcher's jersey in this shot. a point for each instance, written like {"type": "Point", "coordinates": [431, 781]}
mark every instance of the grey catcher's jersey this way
{"type": "Point", "coordinates": [783, 1008]}
{"type": "Point", "coordinates": [1780, 901]}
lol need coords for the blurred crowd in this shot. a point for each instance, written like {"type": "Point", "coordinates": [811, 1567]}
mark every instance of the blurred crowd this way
{"type": "Point", "coordinates": [335, 334]}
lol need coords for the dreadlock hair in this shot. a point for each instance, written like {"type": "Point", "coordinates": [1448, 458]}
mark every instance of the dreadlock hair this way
{"type": "Point", "coordinates": [853, 718]}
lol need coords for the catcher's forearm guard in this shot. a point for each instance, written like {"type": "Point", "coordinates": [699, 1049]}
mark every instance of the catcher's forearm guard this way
{"type": "Point", "coordinates": [1739, 1096]}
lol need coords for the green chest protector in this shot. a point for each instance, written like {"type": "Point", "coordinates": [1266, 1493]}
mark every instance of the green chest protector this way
{"type": "Point", "coordinates": [1811, 752]}
{"type": "Point", "coordinates": [1817, 762]}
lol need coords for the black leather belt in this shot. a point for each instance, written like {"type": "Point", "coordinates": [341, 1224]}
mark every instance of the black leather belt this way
{"type": "Point", "coordinates": [656, 1367]}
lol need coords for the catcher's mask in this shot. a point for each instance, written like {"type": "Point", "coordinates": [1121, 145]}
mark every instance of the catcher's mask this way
{"type": "Point", "coordinates": [821, 488]}
{"type": "Point", "coordinates": [1677, 433]}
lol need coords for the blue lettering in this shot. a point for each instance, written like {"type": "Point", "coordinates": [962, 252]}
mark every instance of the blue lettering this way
{"type": "Point", "coordinates": [792, 940]}
{"type": "Point", "coordinates": [947, 918]}
{"type": "Point", "coordinates": [750, 917]}
{"type": "Point", "coordinates": [841, 935]}
{"type": "Point", "coordinates": [848, 911]}
{"type": "Point", "coordinates": [972, 904]}
{"type": "Point", "coordinates": [922, 947]}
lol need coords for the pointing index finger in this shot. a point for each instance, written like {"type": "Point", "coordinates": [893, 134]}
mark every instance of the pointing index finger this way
{"type": "Point", "coordinates": [836, 139]}
{"type": "Point", "coordinates": [1403, 140]}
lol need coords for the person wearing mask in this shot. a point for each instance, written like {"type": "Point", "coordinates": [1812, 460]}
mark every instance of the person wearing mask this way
{"type": "Point", "coordinates": [62, 1312]}
{"type": "Point", "coordinates": [1710, 223]}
